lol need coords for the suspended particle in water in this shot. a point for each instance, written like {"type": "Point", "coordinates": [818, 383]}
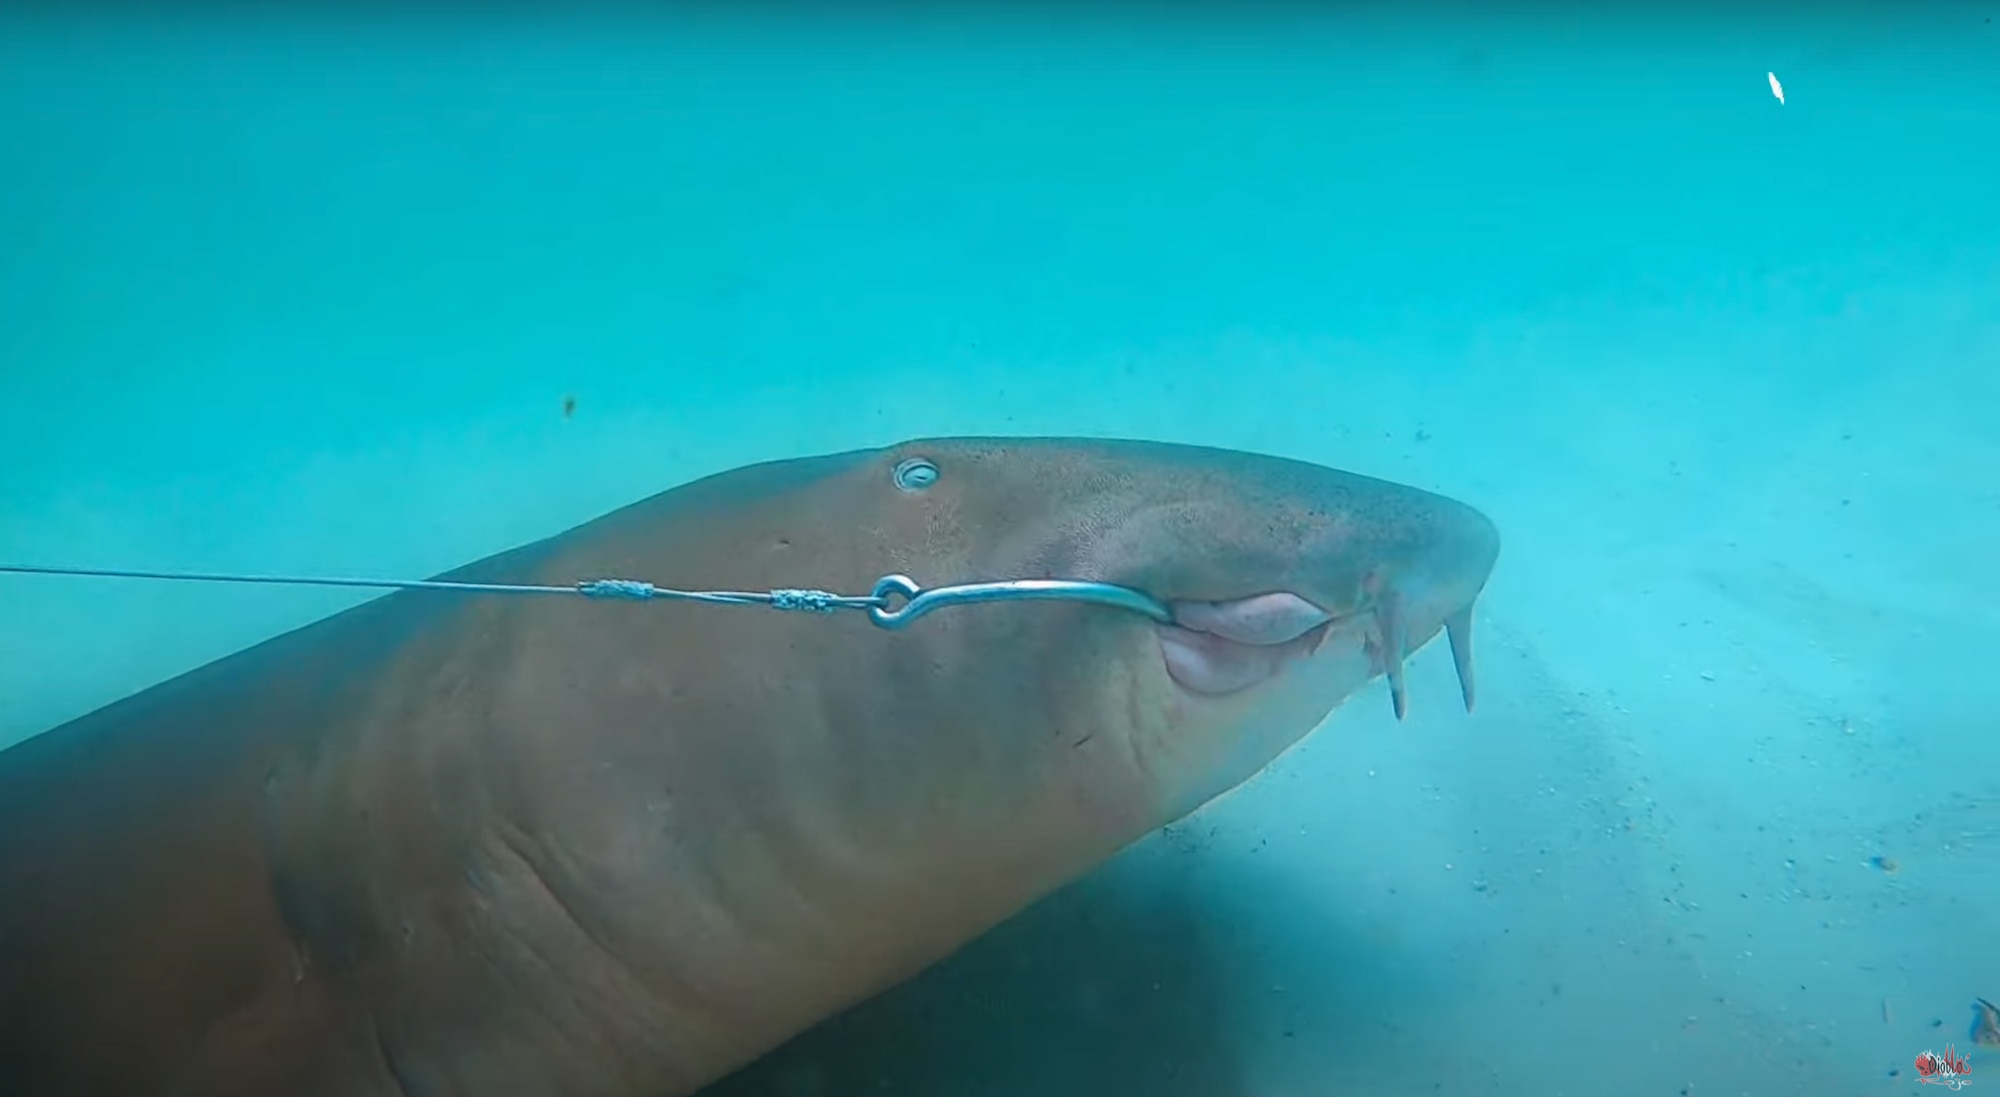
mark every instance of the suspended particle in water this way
{"type": "Point", "coordinates": [569, 406]}
{"type": "Point", "coordinates": [1777, 89]}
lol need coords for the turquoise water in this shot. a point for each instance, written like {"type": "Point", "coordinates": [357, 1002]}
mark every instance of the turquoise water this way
{"type": "Point", "coordinates": [311, 296]}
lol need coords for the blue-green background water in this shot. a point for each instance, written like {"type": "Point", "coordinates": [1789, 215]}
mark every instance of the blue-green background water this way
{"type": "Point", "coordinates": [307, 294]}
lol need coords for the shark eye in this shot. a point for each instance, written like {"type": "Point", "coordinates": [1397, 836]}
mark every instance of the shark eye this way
{"type": "Point", "coordinates": [914, 474]}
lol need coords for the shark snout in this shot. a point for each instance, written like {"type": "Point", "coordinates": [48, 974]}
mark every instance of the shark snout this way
{"type": "Point", "coordinates": [1398, 594]}
{"type": "Point", "coordinates": [1433, 589]}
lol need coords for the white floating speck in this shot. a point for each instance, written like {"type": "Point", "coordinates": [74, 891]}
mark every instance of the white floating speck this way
{"type": "Point", "coordinates": [1777, 89]}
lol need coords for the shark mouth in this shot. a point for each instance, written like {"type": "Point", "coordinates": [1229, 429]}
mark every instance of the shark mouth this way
{"type": "Point", "coordinates": [1218, 648]}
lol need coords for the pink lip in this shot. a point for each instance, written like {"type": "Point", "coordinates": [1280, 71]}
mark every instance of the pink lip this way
{"type": "Point", "coordinates": [1216, 648]}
